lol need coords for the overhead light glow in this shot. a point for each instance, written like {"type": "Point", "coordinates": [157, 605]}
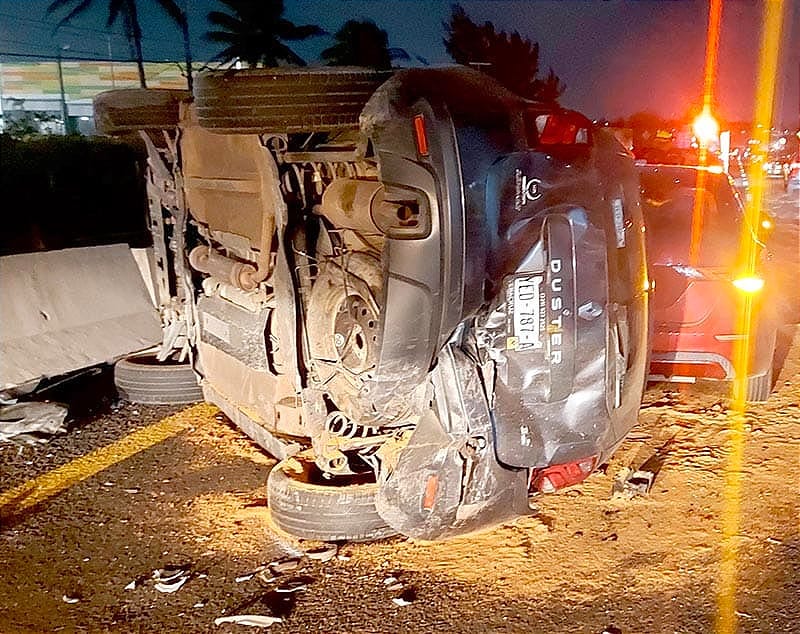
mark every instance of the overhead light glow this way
{"type": "Point", "coordinates": [705, 128]}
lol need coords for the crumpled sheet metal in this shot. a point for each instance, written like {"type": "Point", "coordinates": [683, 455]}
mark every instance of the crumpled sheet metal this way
{"type": "Point", "coordinates": [581, 421]}
{"type": "Point", "coordinates": [70, 309]}
{"type": "Point", "coordinates": [30, 423]}
{"type": "Point", "coordinates": [447, 481]}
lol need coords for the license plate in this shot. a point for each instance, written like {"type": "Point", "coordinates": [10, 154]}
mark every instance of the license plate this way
{"type": "Point", "coordinates": [527, 316]}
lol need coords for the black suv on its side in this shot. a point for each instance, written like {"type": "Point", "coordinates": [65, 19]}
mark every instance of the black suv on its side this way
{"type": "Point", "coordinates": [426, 295]}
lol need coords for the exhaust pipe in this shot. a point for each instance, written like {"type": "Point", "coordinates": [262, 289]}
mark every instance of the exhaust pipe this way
{"type": "Point", "coordinates": [242, 275]}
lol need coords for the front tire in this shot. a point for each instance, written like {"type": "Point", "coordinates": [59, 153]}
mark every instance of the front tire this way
{"type": "Point", "coordinates": [759, 387]}
{"type": "Point", "coordinates": [303, 507]}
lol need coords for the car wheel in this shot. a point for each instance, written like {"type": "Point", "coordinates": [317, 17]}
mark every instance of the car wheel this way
{"type": "Point", "coordinates": [263, 100]}
{"type": "Point", "coordinates": [131, 109]}
{"type": "Point", "coordinates": [343, 325]}
{"type": "Point", "coordinates": [305, 505]}
{"type": "Point", "coordinates": [759, 387]}
{"type": "Point", "coordinates": [143, 379]}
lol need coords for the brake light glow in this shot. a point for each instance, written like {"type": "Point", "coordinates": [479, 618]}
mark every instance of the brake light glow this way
{"type": "Point", "coordinates": [749, 284]}
{"type": "Point", "coordinates": [563, 128]}
{"type": "Point", "coordinates": [559, 476]}
{"type": "Point", "coordinates": [420, 135]}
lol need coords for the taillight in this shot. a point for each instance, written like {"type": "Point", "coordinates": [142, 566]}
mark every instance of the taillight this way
{"type": "Point", "coordinates": [429, 496]}
{"type": "Point", "coordinates": [421, 135]}
{"type": "Point", "coordinates": [562, 128]}
{"type": "Point", "coordinates": [558, 476]}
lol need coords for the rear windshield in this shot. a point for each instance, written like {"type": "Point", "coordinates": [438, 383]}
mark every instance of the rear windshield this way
{"type": "Point", "coordinates": [673, 203]}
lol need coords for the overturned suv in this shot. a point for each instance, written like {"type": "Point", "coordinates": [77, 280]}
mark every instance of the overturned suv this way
{"type": "Point", "coordinates": [424, 294]}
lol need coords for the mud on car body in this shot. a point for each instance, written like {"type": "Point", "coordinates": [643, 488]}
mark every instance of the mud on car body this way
{"type": "Point", "coordinates": [426, 295]}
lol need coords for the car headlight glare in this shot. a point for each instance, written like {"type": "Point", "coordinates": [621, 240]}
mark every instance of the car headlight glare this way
{"type": "Point", "coordinates": [749, 284]}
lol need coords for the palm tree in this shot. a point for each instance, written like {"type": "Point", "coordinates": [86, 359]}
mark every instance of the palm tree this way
{"type": "Point", "coordinates": [510, 58]}
{"type": "Point", "coordinates": [128, 12]}
{"type": "Point", "coordinates": [359, 43]}
{"type": "Point", "coordinates": [254, 31]}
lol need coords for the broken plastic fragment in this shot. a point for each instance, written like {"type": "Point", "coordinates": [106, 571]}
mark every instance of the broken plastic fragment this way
{"type": "Point", "coordinates": [266, 576]}
{"type": "Point", "coordinates": [29, 423]}
{"type": "Point", "coordinates": [630, 483]}
{"type": "Point", "coordinates": [284, 565]}
{"type": "Point", "coordinates": [131, 585]}
{"type": "Point", "coordinates": [323, 553]}
{"type": "Point", "coordinates": [169, 580]}
{"type": "Point", "coordinates": [69, 599]}
{"type": "Point", "coordinates": [168, 574]}
{"type": "Point", "coordinates": [173, 586]}
{"type": "Point", "coordinates": [249, 575]}
{"type": "Point", "coordinates": [293, 585]}
{"type": "Point", "coordinates": [254, 620]}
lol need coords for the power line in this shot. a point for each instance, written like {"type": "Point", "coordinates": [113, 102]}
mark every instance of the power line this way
{"type": "Point", "coordinates": [76, 50]}
{"type": "Point", "coordinates": [53, 26]}
{"type": "Point", "coordinates": [76, 58]}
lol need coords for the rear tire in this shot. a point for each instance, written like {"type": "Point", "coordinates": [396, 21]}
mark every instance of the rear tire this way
{"type": "Point", "coordinates": [324, 512]}
{"type": "Point", "coordinates": [264, 100]}
{"type": "Point", "coordinates": [132, 109]}
{"type": "Point", "coordinates": [759, 387]}
{"type": "Point", "coordinates": [143, 379]}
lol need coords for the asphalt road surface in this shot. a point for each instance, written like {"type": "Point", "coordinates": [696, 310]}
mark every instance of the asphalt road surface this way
{"type": "Point", "coordinates": [87, 518]}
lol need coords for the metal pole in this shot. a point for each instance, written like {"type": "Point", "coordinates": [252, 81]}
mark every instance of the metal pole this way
{"type": "Point", "coordinates": [64, 113]}
{"type": "Point", "coordinates": [111, 61]}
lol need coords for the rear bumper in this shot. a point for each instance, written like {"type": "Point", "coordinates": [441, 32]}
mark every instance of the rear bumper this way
{"type": "Point", "coordinates": [577, 394]}
{"type": "Point", "coordinates": [423, 272]}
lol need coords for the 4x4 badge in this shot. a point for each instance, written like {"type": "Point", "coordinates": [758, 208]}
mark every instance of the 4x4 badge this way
{"type": "Point", "coordinates": [527, 189]}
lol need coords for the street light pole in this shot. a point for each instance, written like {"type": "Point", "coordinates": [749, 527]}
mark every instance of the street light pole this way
{"type": "Point", "coordinates": [64, 113]}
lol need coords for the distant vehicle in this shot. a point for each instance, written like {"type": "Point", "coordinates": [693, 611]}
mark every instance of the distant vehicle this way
{"type": "Point", "coordinates": [697, 289]}
{"type": "Point", "coordinates": [776, 168]}
{"type": "Point", "coordinates": [793, 177]}
{"type": "Point", "coordinates": [738, 173]}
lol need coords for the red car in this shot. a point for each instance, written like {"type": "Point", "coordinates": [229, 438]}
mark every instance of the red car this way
{"type": "Point", "coordinates": [698, 287]}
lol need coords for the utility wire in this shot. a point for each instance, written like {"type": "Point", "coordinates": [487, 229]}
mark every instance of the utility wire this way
{"type": "Point", "coordinates": [75, 58]}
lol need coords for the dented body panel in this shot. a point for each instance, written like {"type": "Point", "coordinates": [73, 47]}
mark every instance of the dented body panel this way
{"type": "Point", "coordinates": [449, 297]}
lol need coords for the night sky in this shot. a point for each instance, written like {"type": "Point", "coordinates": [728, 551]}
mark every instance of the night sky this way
{"type": "Point", "coordinates": [617, 57]}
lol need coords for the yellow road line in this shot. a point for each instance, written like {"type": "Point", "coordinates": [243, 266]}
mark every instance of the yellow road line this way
{"type": "Point", "coordinates": [30, 493]}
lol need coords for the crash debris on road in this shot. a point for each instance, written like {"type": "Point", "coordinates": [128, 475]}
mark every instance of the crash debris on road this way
{"type": "Point", "coordinates": [31, 422]}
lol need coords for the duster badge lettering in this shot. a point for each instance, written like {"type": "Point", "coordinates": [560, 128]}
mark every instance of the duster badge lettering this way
{"type": "Point", "coordinates": [554, 327]}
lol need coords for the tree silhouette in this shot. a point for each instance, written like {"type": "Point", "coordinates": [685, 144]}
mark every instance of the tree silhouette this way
{"type": "Point", "coordinates": [508, 57]}
{"type": "Point", "coordinates": [128, 12]}
{"type": "Point", "coordinates": [359, 43]}
{"type": "Point", "coordinates": [254, 31]}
